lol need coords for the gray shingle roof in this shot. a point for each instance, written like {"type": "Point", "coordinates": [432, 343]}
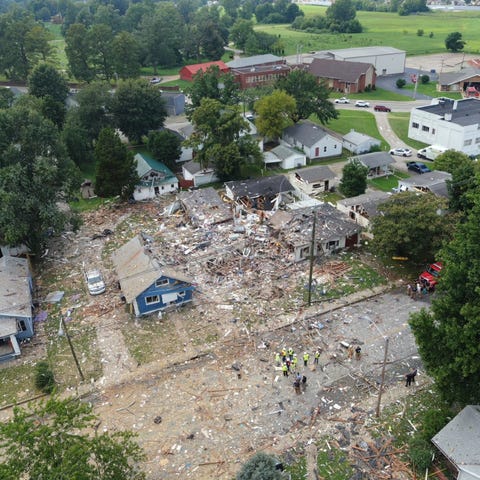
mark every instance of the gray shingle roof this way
{"type": "Point", "coordinates": [450, 78]}
{"type": "Point", "coordinates": [15, 296]}
{"type": "Point", "coordinates": [307, 133]}
{"type": "Point", "coordinates": [315, 174]}
{"type": "Point", "coordinates": [374, 159]}
{"type": "Point", "coordinates": [339, 70]}
{"type": "Point", "coordinates": [357, 138]}
{"type": "Point", "coordinates": [283, 152]}
{"type": "Point", "coordinates": [260, 186]}
{"type": "Point", "coordinates": [369, 201]}
{"type": "Point", "coordinates": [463, 112]}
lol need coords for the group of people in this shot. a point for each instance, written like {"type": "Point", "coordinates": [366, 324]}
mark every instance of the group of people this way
{"type": "Point", "coordinates": [288, 360]}
{"type": "Point", "coordinates": [420, 287]}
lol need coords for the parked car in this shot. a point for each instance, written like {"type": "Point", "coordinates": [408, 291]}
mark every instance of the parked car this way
{"type": "Point", "coordinates": [155, 80]}
{"type": "Point", "coordinates": [382, 108]}
{"type": "Point", "coordinates": [401, 152]}
{"type": "Point", "coordinates": [362, 103]}
{"type": "Point", "coordinates": [95, 282]}
{"type": "Point", "coordinates": [249, 117]}
{"type": "Point", "coordinates": [431, 274]}
{"type": "Point", "coordinates": [418, 167]}
{"type": "Point", "coordinates": [342, 100]}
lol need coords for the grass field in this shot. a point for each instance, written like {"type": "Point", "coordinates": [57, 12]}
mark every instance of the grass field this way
{"type": "Point", "coordinates": [389, 29]}
{"type": "Point", "coordinates": [399, 123]}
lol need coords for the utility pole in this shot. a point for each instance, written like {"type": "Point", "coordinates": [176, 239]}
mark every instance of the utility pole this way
{"type": "Point", "coordinates": [63, 329]}
{"type": "Point", "coordinates": [377, 413]}
{"type": "Point", "coordinates": [312, 258]}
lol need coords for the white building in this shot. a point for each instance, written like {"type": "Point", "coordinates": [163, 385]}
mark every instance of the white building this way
{"type": "Point", "coordinates": [358, 143]}
{"type": "Point", "coordinates": [386, 60]}
{"type": "Point", "coordinates": [285, 157]}
{"type": "Point", "coordinates": [454, 124]}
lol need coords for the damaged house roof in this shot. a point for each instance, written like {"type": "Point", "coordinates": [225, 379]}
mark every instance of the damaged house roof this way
{"type": "Point", "coordinates": [137, 268]}
{"type": "Point", "coordinates": [368, 201]}
{"type": "Point", "coordinates": [205, 207]}
{"type": "Point", "coordinates": [296, 226]}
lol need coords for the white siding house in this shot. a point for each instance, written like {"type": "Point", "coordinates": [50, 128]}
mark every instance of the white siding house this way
{"type": "Point", "coordinates": [358, 143]}
{"type": "Point", "coordinates": [313, 180]}
{"type": "Point", "coordinates": [454, 124]}
{"type": "Point", "coordinates": [285, 157]}
{"type": "Point", "coordinates": [193, 172]}
{"type": "Point", "coordinates": [314, 140]}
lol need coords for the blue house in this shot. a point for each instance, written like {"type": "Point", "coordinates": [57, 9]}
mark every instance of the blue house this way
{"type": "Point", "coordinates": [16, 318]}
{"type": "Point", "coordinates": [147, 284]}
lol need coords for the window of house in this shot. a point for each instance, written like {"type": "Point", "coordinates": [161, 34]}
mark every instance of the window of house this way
{"type": "Point", "coordinates": [425, 128]}
{"type": "Point", "coordinates": [152, 299]}
{"type": "Point", "coordinates": [325, 149]}
{"type": "Point", "coordinates": [181, 294]}
{"type": "Point", "coordinates": [22, 325]}
{"type": "Point", "coordinates": [162, 282]}
{"type": "Point", "coordinates": [477, 140]}
{"type": "Point", "coordinates": [468, 142]}
{"type": "Point", "coordinates": [317, 185]}
{"type": "Point", "coordinates": [415, 125]}
{"type": "Point", "coordinates": [332, 245]}
{"type": "Point", "coordinates": [172, 186]}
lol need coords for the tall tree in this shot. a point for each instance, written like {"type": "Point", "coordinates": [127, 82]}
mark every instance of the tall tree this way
{"type": "Point", "coordinates": [35, 174]}
{"type": "Point", "coordinates": [412, 226]}
{"type": "Point", "coordinates": [240, 31]}
{"type": "Point", "coordinates": [447, 335]}
{"type": "Point", "coordinates": [126, 55]}
{"type": "Point", "coordinates": [454, 42]}
{"type": "Point", "coordinates": [100, 38]}
{"type": "Point", "coordinates": [210, 34]}
{"type": "Point", "coordinates": [311, 96]}
{"type": "Point", "coordinates": [116, 169]}
{"type": "Point", "coordinates": [51, 440]}
{"type": "Point", "coordinates": [7, 97]}
{"type": "Point", "coordinates": [275, 113]}
{"type": "Point", "coordinates": [138, 108]}
{"type": "Point", "coordinates": [354, 179]}
{"type": "Point", "coordinates": [79, 52]}
{"type": "Point", "coordinates": [46, 81]}
{"type": "Point", "coordinates": [166, 147]}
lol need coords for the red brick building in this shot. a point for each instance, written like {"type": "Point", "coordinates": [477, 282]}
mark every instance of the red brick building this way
{"type": "Point", "coordinates": [189, 71]}
{"type": "Point", "coordinates": [259, 75]}
{"type": "Point", "coordinates": [341, 76]}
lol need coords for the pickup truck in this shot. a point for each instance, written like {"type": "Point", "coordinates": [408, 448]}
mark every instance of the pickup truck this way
{"type": "Point", "coordinates": [431, 274]}
{"type": "Point", "coordinates": [418, 167]}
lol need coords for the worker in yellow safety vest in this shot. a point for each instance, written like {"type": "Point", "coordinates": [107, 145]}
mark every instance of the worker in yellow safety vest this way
{"type": "Point", "coordinates": [306, 356]}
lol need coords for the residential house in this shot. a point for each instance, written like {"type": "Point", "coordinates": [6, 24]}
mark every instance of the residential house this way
{"type": "Point", "coordinates": [362, 208]}
{"type": "Point", "coordinates": [183, 130]}
{"type": "Point", "coordinates": [266, 59]}
{"type": "Point", "coordinates": [459, 442]}
{"type": "Point", "coordinates": [285, 157]}
{"type": "Point", "coordinates": [334, 231]}
{"type": "Point", "coordinates": [454, 124]}
{"type": "Point", "coordinates": [314, 140]}
{"type": "Point", "coordinates": [155, 178]}
{"type": "Point", "coordinates": [264, 193]}
{"type": "Point", "coordinates": [195, 175]}
{"type": "Point", "coordinates": [148, 284]}
{"type": "Point", "coordinates": [174, 102]}
{"type": "Point", "coordinates": [434, 182]}
{"type": "Point", "coordinates": [346, 77]}
{"type": "Point", "coordinates": [313, 180]}
{"type": "Point", "coordinates": [385, 60]}
{"type": "Point", "coordinates": [378, 163]}
{"type": "Point", "coordinates": [189, 71]}
{"type": "Point", "coordinates": [358, 143]}
{"type": "Point", "coordinates": [466, 82]}
{"type": "Point", "coordinates": [205, 207]}
{"type": "Point", "coordinates": [260, 75]}
{"type": "Point", "coordinates": [16, 318]}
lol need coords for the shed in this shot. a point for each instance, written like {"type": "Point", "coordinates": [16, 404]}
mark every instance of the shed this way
{"type": "Point", "coordinates": [174, 102]}
{"type": "Point", "coordinates": [358, 143]}
{"type": "Point", "coordinates": [193, 172]}
{"type": "Point", "coordinates": [147, 282]}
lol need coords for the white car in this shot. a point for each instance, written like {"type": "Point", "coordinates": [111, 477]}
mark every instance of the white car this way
{"type": "Point", "coordinates": [361, 103]}
{"type": "Point", "coordinates": [401, 152]}
{"type": "Point", "coordinates": [342, 100]}
{"type": "Point", "coordinates": [155, 80]}
{"type": "Point", "coordinates": [95, 283]}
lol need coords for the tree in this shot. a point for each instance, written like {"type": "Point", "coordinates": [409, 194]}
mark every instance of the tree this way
{"type": "Point", "coordinates": [77, 140]}
{"type": "Point", "coordinates": [7, 97]}
{"type": "Point", "coordinates": [51, 440]}
{"type": "Point", "coordinates": [210, 34]}
{"type": "Point", "coordinates": [275, 113]}
{"type": "Point", "coordinates": [454, 42]}
{"type": "Point", "coordinates": [213, 84]}
{"type": "Point", "coordinates": [240, 31]}
{"type": "Point", "coordinates": [138, 108]}
{"type": "Point", "coordinates": [260, 466]}
{"type": "Point", "coordinates": [166, 147]}
{"type": "Point", "coordinates": [79, 52]}
{"type": "Point", "coordinates": [412, 226]}
{"type": "Point", "coordinates": [447, 334]}
{"type": "Point", "coordinates": [35, 175]}
{"type": "Point", "coordinates": [354, 179]}
{"type": "Point", "coordinates": [311, 97]}
{"type": "Point", "coordinates": [126, 55]}
{"type": "Point", "coordinates": [100, 38]}
{"type": "Point", "coordinates": [400, 83]}
{"type": "Point", "coordinates": [116, 169]}
{"type": "Point", "coordinates": [341, 17]}
{"type": "Point", "coordinates": [46, 81]}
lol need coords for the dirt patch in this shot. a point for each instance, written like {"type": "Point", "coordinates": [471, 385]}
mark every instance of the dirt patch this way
{"type": "Point", "coordinates": [440, 62]}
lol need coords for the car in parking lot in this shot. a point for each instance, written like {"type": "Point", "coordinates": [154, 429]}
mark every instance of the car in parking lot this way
{"type": "Point", "coordinates": [155, 80]}
{"type": "Point", "coordinates": [342, 100]}
{"type": "Point", "coordinates": [382, 108]}
{"type": "Point", "coordinates": [95, 282]}
{"type": "Point", "coordinates": [418, 167]}
{"type": "Point", "coordinates": [362, 103]}
{"type": "Point", "coordinates": [401, 152]}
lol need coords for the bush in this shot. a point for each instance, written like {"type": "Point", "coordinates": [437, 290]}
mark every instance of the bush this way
{"type": "Point", "coordinates": [420, 32]}
{"type": "Point", "coordinates": [420, 453]}
{"type": "Point", "coordinates": [259, 466]}
{"type": "Point", "coordinates": [424, 79]}
{"type": "Point", "coordinates": [401, 82]}
{"type": "Point", "coordinates": [44, 379]}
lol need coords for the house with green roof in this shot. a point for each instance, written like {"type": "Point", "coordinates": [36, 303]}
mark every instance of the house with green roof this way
{"type": "Point", "coordinates": [155, 178]}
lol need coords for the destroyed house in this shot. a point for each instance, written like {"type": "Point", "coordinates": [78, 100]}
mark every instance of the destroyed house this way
{"type": "Point", "coordinates": [16, 319]}
{"type": "Point", "coordinates": [205, 207]}
{"type": "Point", "coordinates": [147, 284]}
{"type": "Point", "coordinates": [263, 193]}
{"type": "Point", "coordinates": [333, 231]}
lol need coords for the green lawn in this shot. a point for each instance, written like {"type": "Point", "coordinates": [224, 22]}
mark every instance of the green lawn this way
{"type": "Point", "coordinates": [387, 183]}
{"type": "Point", "coordinates": [388, 29]}
{"type": "Point", "coordinates": [58, 45]}
{"type": "Point", "coordinates": [399, 123]}
{"type": "Point", "coordinates": [430, 89]}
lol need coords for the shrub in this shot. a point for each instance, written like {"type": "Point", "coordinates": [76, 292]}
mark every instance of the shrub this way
{"type": "Point", "coordinates": [424, 79]}
{"type": "Point", "coordinates": [44, 379]}
{"type": "Point", "coordinates": [401, 82]}
{"type": "Point", "coordinates": [420, 32]}
{"type": "Point", "coordinates": [420, 453]}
